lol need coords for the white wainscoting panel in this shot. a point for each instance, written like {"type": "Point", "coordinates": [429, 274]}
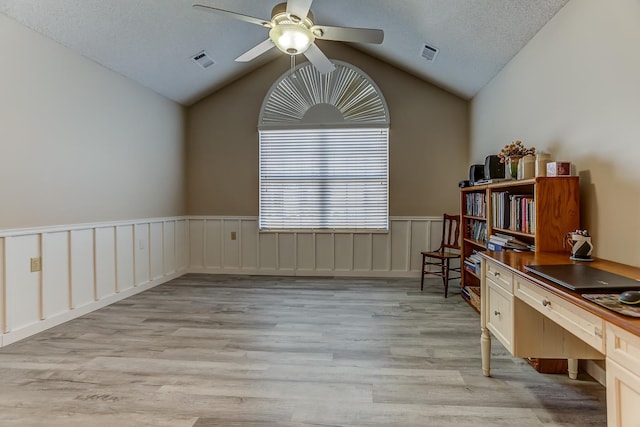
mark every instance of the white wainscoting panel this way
{"type": "Point", "coordinates": [230, 244]}
{"type": "Point", "coordinates": [181, 248]}
{"type": "Point", "coordinates": [156, 251]}
{"type": "Point", "coordinates": [324, 253]}
{"type": "Point", "coordinates": [56, 292]}
{"type": "Point", "coordinates": [125, 276]}
{"type": "Point", "coordinates": [305, 252]}
{"type": "Point", "coordinates": [310, 252]}
{"type": "Point", "coordinates": [362, 255]}
{"type": "Point", "coordinates": [286, 253]}
{"type": "Point", "coordinates": [22, 287]}
{"type": "Point", "coordinates": [84, 267]}
{"type": "Point", "coordinates": [268, 252]}
{"type": "Point", "coordinates": [249, 249]}
{"type": "Point", "coordinates": [141, 254]}
{"type": "Point", "coordinates": [343, 252]}
{"type": "Point", "coordinates": [213, 246]}
{"type": "Point", "coordinates": [105, 261]}
{"type": "Point", "coordinates": [381, 252]}
{"type": "Point", "coordinates": [169, 247]}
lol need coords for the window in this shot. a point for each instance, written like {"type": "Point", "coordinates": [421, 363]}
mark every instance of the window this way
{"type": "Point", "coordinates": [324, 178]}
{"type": "Point", "coordinates": [324, 144]}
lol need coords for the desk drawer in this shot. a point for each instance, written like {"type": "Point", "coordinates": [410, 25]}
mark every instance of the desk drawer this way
{"type": "Point", "coordinates": [623, 377]}
{"type": "Point", "coordinates": [586, 326]}
{"type": "Point", "coordinates": [500, 276]}
{"type": "Point", "coordinates": [624, 348]}
{"type": "Point", "coordinates": [500, 315]}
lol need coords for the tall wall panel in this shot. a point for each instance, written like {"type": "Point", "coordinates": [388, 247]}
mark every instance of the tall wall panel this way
{"type": "Point", "coordinates": [82, 268]}
{"type": "Point", "coordinates": [181, 245]}
{"type": "Point", "coordinates": [105, 261]}
{"type": "Point", "coordinates": [124, 257]}
{"type": "Point", "coordinates": [156, 251]}
{"type": "Point", "coordinates": [142, 254]}
{"type": "Point", "coordinates": [169, 235]}
{"type": "Point", "coordinates": [56, 295]}
{"type": "Point", "coordinates": [22, 286]}
{"type": "Point", "coordinates": [305, 252]}
{"type": "Point", "coordinates": [249, 248]}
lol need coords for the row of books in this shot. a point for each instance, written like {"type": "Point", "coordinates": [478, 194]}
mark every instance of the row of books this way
{"type": "Point", "coordinates": [477, 230]}
{"type": "Point", "coordinates": [498, 242]}
{"type": "Point", "coordinates": [472, 263]}
{"type": "Point", "coordinates": [476, 204]}
{"type": "Point", "coordinates": [514, 212]}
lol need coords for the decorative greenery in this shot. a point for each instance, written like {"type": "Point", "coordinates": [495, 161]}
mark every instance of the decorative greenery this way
{"type": "Point", "coordinates": [515, 149]}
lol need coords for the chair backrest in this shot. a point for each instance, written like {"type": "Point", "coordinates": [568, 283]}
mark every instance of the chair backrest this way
{"type": "Point", "coordinates": [450, 232]}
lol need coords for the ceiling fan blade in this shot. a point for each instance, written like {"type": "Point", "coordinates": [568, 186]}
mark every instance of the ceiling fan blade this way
{"type": "Point", "coordinates": [229, 14]}
{"type": "Point", "coordinates": [299, 8]}
{"type": "Point", "coordinates": [256, 51]}
{"type": "Point", "coordinates": [319, 60]}
{"type": "Point", "coordinates": [348, 34]}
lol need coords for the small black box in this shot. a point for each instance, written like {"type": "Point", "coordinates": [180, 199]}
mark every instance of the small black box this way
{"type": "Point", "coordinates": [493, 169]}
{"type": "Point", "coordinates": [476, 173]}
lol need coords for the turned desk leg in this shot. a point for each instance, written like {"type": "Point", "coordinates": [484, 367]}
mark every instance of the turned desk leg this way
{"type": "Point", "coordinates": [485, 348]}
{"type": "Point", "coordinates": [573, 368]}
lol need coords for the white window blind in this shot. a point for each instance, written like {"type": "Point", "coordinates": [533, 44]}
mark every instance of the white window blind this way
{"type": "Point", "coordinates": [324, 178]}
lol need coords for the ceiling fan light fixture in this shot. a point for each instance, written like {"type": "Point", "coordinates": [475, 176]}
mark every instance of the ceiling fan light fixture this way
{"type": "Point", "coordinates": [291, 39]}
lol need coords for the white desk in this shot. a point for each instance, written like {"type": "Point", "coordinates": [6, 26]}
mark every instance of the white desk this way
{"type": "Point", "coordinates": [533, 317]}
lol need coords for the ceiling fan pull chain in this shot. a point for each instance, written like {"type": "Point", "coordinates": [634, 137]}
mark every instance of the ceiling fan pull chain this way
{"type": "Point", "coordinates": [293, 65]}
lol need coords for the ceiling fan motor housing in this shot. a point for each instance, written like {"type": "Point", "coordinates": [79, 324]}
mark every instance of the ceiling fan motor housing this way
{"type": "Point", "coordinates": [290, 33]}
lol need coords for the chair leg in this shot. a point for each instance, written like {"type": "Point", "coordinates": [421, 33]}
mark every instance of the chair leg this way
{"type": "Point", "coordinates": [446, 277]}
{"type": "Point", "coordinates": [422, 269]}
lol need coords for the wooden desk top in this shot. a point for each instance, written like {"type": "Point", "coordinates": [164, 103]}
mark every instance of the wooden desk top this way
{"type": "Point", "coordinates": [515, 261]}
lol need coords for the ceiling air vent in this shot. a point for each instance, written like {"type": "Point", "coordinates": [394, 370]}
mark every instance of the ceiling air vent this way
{"type": "Point", "coordinates": [202, 59]}
{"type": "Point", "coordinates": [429, 52]}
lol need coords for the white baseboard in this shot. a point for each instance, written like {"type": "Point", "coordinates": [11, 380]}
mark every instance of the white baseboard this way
{"type": "Point", "coordinates": [308, 273]}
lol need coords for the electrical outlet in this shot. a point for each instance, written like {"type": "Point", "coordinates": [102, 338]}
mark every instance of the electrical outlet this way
{"type": "Point", "coordinates": [233, 235]}
{"type": "Point", "coordinates": [36, 264]}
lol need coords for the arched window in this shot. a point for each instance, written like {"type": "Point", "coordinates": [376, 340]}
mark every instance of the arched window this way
{"type": "Point", "coordinates": [324, 151]}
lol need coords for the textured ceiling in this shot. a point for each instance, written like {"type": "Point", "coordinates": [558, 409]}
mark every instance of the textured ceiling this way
{"type": "Point", "coordinates": [152, 41]}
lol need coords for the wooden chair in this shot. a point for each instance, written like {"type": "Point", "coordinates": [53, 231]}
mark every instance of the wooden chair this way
{"type": "Point", "coordinates": [449, 249]}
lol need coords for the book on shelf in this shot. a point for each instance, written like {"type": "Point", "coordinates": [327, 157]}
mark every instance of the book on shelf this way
{"type": "Point", "coordinates": [475, 257]}
{"type": "Point", "coordinates": [472, 263]}
{"type": "Point", "coordinates": [505, 241]}
{"type": "Point", "coordinates": [477, 230]}
{"type": "Point", "coordinates": [465, 293]}
{"type": "Point", "coordinates": [475, 204]}
{"type": "Point", "coordinates": [514, 212]}
{"type": "Point", "coordinates": [494, 247]}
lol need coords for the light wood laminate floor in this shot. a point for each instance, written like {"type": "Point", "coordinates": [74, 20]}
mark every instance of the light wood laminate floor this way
{"type": "Point", "coordinates": [206, 350]}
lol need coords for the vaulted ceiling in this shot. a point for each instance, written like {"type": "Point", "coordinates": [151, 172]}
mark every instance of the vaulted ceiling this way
{"type": "Point", "coordinates": [153, 41]}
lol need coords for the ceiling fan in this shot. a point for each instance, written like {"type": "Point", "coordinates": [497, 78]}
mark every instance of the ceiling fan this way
{"type": "Point", "coordinates": [292, 30]}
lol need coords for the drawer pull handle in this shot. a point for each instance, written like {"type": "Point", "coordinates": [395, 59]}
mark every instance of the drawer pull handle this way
{"type": "Point", "coordinates": [497, 274]}
{"type": "Point", "coordinates": [496, 313]}
{"type": "Point", "coordinates": [546, 302]}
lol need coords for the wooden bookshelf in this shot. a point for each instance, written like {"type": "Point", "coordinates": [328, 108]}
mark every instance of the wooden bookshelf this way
{"type": "Point", "coordinates": [555, 211]}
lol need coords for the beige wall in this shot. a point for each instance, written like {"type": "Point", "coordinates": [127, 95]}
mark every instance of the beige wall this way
{"type": "Point", "coordinates": [428, 141]}
{"type": "Point", "coordinates": [80, 143]}
{"type": "Point", "coordinates": [574, 91]}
